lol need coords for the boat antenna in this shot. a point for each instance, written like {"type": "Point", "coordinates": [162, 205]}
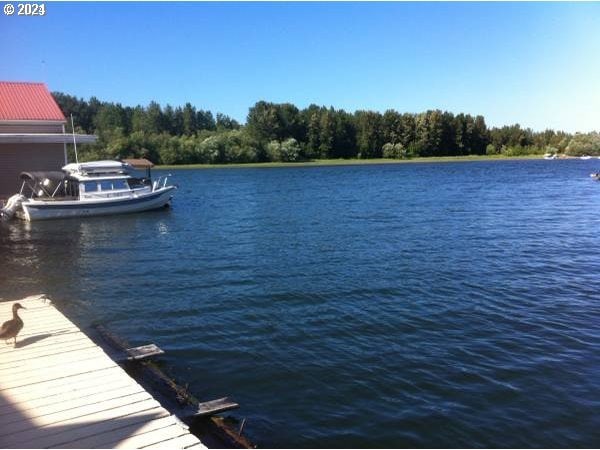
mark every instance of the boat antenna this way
{"type": "Point", "coordinates": [74, 142]}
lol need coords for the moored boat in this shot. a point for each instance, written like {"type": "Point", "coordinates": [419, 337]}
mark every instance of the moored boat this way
{"type": "Point", "coordinates": [88, 189]}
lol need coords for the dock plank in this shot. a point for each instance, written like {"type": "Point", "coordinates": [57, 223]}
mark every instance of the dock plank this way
{"type": "Point", "coordinates": [181, 441]}
{"type": "Point", "coordinates": [64, 371]}
{"type": "Point", "coordinates": [63, 348]}
{"type": "Point", "coordinates": [59, 389]}
{"type": "Point", "coordinates": [214, 407]}
{"type": "Point", "coordinates": [41, 339]}
{"type": "Point", "coordinates": [73, 414]}
{"type": "Point", "coordinates": [19, 393]}
{"type": "Point", "coordinates": [104, 436]}
{"type": "Point", "coordinates": [65, 392]}
{"type": "Point", "coordinates": [78, 403]}
{"type": "Point", "coordinates": [49, 362]}
{"type": "Point", "coordinates": [26, 437]}
{"type": "Point", "coordinates": [152, 437]}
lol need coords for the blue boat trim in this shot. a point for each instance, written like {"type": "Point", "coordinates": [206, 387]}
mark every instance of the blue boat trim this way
{"type": "Point", "coordinates": [128, 201]}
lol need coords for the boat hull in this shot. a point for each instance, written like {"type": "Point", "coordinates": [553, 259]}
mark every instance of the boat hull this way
{"type": "Point", "coordinates": [44, 210]}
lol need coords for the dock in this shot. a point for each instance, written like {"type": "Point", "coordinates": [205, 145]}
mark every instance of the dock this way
{"type": "Point", "coordinates": [58, 389]}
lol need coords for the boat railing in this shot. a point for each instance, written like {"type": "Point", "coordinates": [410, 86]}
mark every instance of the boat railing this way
{"type": "Point", "coordinates": [161, 182]}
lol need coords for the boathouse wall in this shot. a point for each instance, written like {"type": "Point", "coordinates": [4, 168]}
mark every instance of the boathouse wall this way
{"type": "Point", "coordinates": [30, 127]}
{"type": "Point", "coordinates": [17, 158]}
{"type": "Point", "coordinates": [32, 133]}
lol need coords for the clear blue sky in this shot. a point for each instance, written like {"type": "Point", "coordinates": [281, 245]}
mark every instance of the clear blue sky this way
{"type": "Point", "coordinates": [537, 64]}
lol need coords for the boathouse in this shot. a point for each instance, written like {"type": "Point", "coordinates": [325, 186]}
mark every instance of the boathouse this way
{"type": "Point", "coordinates": [32, 133]}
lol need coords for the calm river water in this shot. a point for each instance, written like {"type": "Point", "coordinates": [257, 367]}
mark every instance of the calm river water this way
{"type": "Point", "coordinates": [413, 305]}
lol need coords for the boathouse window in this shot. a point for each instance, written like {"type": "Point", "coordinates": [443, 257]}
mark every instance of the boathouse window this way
{"type": "Point", "coordinates": [90, 186]}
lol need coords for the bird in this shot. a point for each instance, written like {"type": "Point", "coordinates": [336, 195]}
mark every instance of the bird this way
{"type": "Point", "coordinates": [11, 328]}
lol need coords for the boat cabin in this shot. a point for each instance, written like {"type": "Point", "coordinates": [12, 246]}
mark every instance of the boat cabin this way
{"type": "Point", "coordinates": [87, 181]}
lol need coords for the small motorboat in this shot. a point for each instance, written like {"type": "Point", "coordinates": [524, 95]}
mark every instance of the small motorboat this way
{"type": "Point", "coordinates": [550, 156]}
{"type": "Point", "coordinates": [595, 176]}
{"type": "Point", "coordinates": [87, 189]}
{"type": "Point", "coordinates": [586, 157]}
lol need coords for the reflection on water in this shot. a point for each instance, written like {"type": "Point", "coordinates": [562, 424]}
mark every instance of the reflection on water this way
{"type": "Point", "coordinates": [421, 305]}
{"type": "Point", "coordinates": [64, 257]}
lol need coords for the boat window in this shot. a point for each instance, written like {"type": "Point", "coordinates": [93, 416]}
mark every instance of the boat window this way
{"type": "Point", "coordinates": [90, 186]}
{"type": "Point", "coordinates": [106, 185]}
{"type": "Point", "coordinates": [120, 184]}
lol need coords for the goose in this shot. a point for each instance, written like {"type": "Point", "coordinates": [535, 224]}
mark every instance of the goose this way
{"type": "Point", "coordinates": [11, 328]}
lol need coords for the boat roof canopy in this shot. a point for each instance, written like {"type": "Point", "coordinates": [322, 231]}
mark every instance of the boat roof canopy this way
{"type": "Point", "coordinates": [139, 163]}
{"type": "Point", "coordinates": [97, 167]}
{"type": "Point", "coordinates": [53, 176]}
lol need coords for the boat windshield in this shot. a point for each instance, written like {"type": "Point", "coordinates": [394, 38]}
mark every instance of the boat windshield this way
{"type": "Point", "coordinates": [105, 185]}
{"type": "Point", "coordinates": [138, 182]}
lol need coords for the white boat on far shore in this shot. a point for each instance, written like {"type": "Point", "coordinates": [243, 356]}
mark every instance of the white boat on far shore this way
{"type": "Point", "coordinates": [88, 189]}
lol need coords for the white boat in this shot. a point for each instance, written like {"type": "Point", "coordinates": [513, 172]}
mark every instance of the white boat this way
{"type": "Point", "coordinates": [585, 157]}
{"type": "Point", "coordinates": [88, 189]}
{"type": "Point", "coordinates": [550, 156]}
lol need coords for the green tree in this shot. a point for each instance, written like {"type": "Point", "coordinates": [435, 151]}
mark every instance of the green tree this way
{"type": "Point", "coordinates": [168, 120]}
{"type": "Point", "coordinates": [394, 151]}
{"type": "Point", "coordinates": [392, 126]}
{"type": "Point", "coordinates": [189, 120]}
{"type": "Point", "coordinates": [205, 120]}
{"type": "Point", "coordinates": [225, 122]}
{"type": "Point", "coordinates": [110, 122]}
{"type": "Point", "coordinates": [408, 129]}
{"type": "Point", "coordinates": [312, 120]}
{"type": "Point", "coordinates": [368, 134]}
{"type": "Point", "coordinates": [326, 134]}
{"type": "Point", "coordinates": [344, 139]}
{"type": "Point", "coordinates": [262, 121]}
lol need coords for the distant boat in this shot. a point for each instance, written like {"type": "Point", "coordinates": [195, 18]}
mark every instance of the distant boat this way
{"type": "Point", "coordinates": [595, 176]}
{"type": "Point", "coordinates": [87, 189]}
{"type": "Point", "coordinates": [585, 157]}
{"type": "Point", "coordinates": [550, 156]}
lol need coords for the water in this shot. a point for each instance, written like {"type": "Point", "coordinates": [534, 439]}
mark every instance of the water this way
{"type": "Point", "coordinates": [417, 305]}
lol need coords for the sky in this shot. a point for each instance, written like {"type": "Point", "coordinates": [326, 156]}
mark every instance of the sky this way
{"type": "Point", "coordinates": [536, 64]}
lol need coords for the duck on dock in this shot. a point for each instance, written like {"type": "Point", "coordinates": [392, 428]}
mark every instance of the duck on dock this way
{"type": "Point", "coordinates": [11, 328]}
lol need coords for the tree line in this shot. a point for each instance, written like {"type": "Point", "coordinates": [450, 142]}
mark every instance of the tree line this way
{"type": "Point", "coordinates": [283, 132]}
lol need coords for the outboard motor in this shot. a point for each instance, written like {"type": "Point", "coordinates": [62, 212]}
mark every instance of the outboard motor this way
{"type": "Point", "coordinates": [11, 207]}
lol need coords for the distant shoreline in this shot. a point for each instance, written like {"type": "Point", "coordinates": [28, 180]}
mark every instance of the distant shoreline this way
{"type": "Point", "coordinates": [351, 162]}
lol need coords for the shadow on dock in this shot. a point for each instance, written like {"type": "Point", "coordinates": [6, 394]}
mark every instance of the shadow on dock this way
{"type": "Point", "coordinates": [19, 430]}
{"type": "Point", "coordinates": [32, 340]}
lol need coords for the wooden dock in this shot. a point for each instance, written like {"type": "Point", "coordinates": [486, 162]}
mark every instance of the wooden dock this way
{"type": "Point", "coordinates": [58, 389]}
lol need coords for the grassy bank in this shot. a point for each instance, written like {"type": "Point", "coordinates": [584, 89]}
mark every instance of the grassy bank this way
{"type": "Point", "coordinates": [351, 162]}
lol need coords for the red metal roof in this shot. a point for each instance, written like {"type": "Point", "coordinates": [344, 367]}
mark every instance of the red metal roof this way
{"type": "Point", "coordinates": [27, 101]}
